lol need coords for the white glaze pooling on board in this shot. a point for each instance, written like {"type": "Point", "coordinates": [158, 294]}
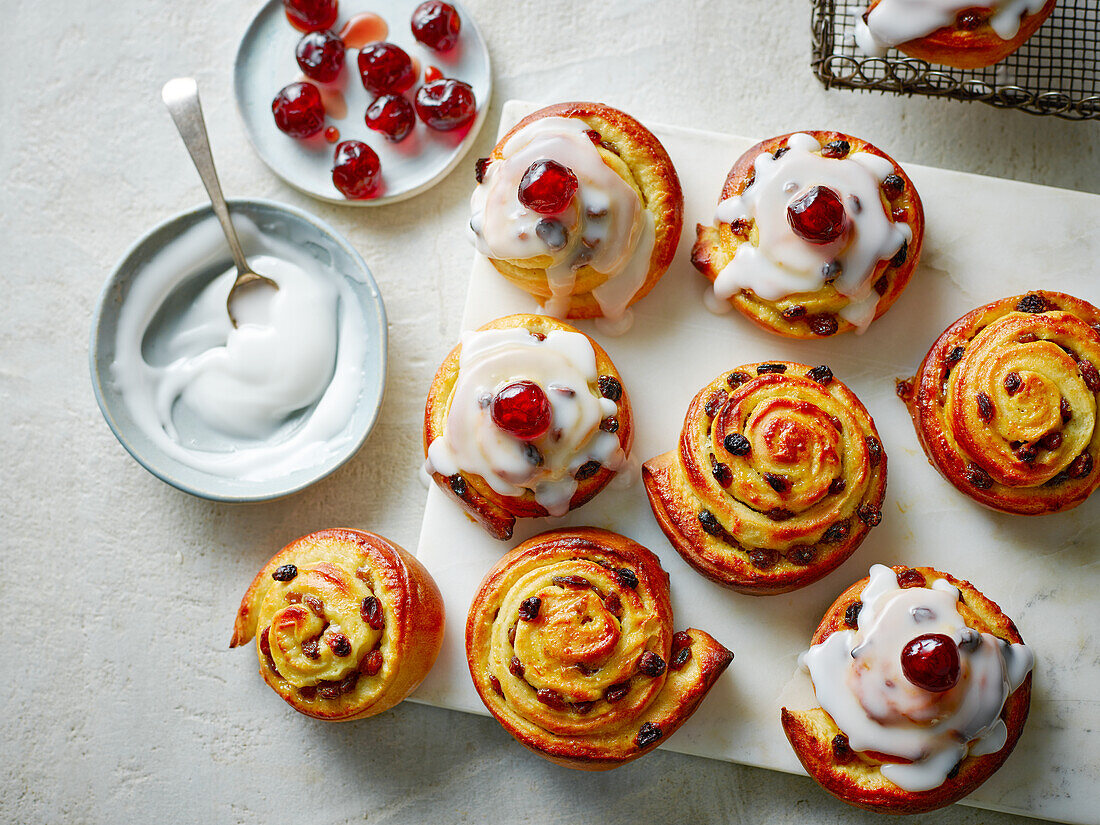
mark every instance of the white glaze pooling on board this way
{"type": "Point", "coordinates": [299, 347]}
{"type": "Point", "coordinates": [1042, 571]}
{"type": "Point", "coordinates": [563, 365]}
{"type": "Point", "coordinates": [606, 224]}
{"type": "Point", "coordinates": [782, 263]}
{"type": "Point", "coordinates": [893, 22]}
{"type": "Point", "coordinates": [858, 679]}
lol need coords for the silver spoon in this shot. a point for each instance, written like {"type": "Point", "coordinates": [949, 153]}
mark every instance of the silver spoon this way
{"type": "Point", "coordinates": [181, 96]}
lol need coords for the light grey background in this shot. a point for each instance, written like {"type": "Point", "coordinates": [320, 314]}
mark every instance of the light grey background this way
{"type": "Point", "coordinates": [121, 701]}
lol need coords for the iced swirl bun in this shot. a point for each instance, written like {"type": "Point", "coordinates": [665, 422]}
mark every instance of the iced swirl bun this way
{"type": "Point", "coordinates": [526, 417]}
{"type": "Point", "coordinates": [347, 624]}
{"type": "Point", "coordinates": [961, 33]}
{"type": "Point", "coordinates": [571, 647]}
{"type": "Point", "coordinates": [816, 233]}
{"type": "Point", "coordinates": [580, 206]}
{"type": "Point", "coordinates": [1005, 403]}
{"type": "Point", "coordinates": [778, 477]}
{"type": "Point", "coordinates": [923, 685]}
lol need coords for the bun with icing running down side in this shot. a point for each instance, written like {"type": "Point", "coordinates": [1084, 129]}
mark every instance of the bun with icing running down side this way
{"type": "Point", "coordinates": [607, 226]}
{"type": "Point", "coordinates": [816, 233]}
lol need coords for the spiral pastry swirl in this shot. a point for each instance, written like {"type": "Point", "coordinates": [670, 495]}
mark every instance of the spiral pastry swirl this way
{"type": "Point", "coordinates": [1005, 403]}
{"type": "Point", "coordinates": [347, 624]}
{"type": "Point", "coordinates": [570, 646]}
{"type": "Point", "coordinates": [779, 475]}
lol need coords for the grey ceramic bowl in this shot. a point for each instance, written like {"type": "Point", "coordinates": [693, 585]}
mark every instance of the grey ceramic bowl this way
{"type": "Point", "coordinates": [290, 223]}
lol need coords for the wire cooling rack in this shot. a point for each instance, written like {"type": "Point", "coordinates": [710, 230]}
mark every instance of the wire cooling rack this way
{"type": "Point", "coordinates": [1056, 72]}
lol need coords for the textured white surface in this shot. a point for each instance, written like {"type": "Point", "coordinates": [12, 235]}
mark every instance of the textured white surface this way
{"type": "Point", "coordinates": [679, 346]}
{"type": "Point", "coordinates": [121, 700]}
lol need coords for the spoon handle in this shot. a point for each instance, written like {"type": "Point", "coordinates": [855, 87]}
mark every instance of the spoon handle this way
{"type": "Point", "coordinates": [181, 96]}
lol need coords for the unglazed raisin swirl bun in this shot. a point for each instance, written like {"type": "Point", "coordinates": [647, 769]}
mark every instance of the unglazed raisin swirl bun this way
{"type": "Point", "coordinates": [347, 624]}
{"type": "Point", "coordinates": [526, 417]}
{"type": "Point", "coordinates": [1005, 403]}
{"type": "Point", "coordinates": [923, 687]}
{"type": "Point", "coordinates": [580, 206]}
{"type": "Point", "coordinates": [961, 33]}
{"type": "Point", "coordinates": [778, 477]}
{"type": "Point", "coordinates": [571, 647]}
{"type": "Point", "coordinates": [816, 233]}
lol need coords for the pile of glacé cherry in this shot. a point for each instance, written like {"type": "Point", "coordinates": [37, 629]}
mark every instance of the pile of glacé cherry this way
{"type": "Point", "coordinates": [387, 72]}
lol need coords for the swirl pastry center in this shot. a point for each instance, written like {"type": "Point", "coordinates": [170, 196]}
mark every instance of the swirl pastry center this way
{"type": "Point", "coordinates": [574, 628]}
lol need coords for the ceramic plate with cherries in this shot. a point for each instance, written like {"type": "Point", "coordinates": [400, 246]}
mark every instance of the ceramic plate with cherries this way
{"type": "Point", "coordinates": [363, 102]}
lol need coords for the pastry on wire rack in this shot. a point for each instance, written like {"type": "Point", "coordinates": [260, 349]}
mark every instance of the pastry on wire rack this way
{"type": "Point", "coordinates": [960, 33]}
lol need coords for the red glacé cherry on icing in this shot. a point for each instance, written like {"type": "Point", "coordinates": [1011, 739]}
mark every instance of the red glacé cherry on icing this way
{"type": "Point", "coordinates": [522, 409]}
{"type": "Point", "coordinates": [298, 110]}
{"type": "Point", "coordinates": [818, 216]}
{"type": "Point", "coordinates": [321, 55]}
{"type": "Point", "coordinates": [385, 69]}
{"type": "Point", "coordinates": [931, 662]}
{"type": "Point", "coordinates": [446, 104]}
{"type": "Point", "coordinates": [436, 25]}
{"type": "Point", "coordinates": [392, 115]}
{"type": "Point", "coordinates": [311, 15]}
{"type": "Point", "coordinates": [355, 170]}
{"type": "Point", "coordinates": [547, 187]}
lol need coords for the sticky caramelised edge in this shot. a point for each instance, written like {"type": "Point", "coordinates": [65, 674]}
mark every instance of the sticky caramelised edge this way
{"type": "Point", "coordinates": [709, 254]}
{"type": "Point", "coordinates": [859, 782]}
{"type": "Point", "coordinates": [653, 173]}
{"type": "Point", "coordinates": [974, 48]}
{"type": "Point", "coordinates": [921, 397]}
{"type": "Point", "coordinates": [683, 689]}
{"type": "Point", "coordinates": [419, 614]}
{"type": "Point", "coordinates": [720, 562]}
{"type": "Point", "coordinates": [494, 512]}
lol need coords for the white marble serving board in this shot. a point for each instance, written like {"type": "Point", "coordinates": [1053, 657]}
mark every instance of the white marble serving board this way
{"type": "Point", "coordinates": [986, 238]}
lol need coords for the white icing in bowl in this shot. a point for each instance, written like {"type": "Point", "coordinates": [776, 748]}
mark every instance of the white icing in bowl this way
{"type": "Point", "coordinates": [858, 679]}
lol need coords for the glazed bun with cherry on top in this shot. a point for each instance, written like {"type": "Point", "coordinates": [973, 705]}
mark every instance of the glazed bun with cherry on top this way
{"type": "Point", "coordinates": [347, 624]}
{"type": "Point", "coordinates": [580, 206]}
{"type": "Point", "coordinates": [922, 687]}
{"type": "Point", "coordinates": [1005, 403]}
{"type": "Point", "coordinates": [571, 647]}
{"type": "Point", "coordinates": [778, 476]}
{"type": "Point", "coordinates": [960, 33]}
{"type": "Point", "coordinates": [816, 233]}
{"type": "Point", "coordinates": [526, 417]}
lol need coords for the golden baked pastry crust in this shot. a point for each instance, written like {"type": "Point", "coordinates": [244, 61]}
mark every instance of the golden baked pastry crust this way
{"type": "Point", "coordinates": [1035, 449]}
{"type": "Point", "coordinates": [856, 778]}
{"type": "Point", "coordinates": [735, 525]}
{"type": "Point", "coordinates": [970, 43]}
{"type": "Point", "coordinates": [292, 616]}
{"type": "Point", "coordinates": [640, 159]}
{"type": "Point", "coordinates": [603, 623]}
{"type": "Point", "coordinates": [716, 246]}
{"type": "Point", "coordinates": [494, 512]}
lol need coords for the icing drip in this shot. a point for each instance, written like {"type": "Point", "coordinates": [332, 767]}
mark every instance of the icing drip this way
{"type": "Point", "coordinates": [564, 366]}
{"type": "Point", "coordinates": [782, 263]}
{"type": "Point", "coordinates": [605, 226]}
{"type": "Point", "coordinates": [858, 679]}
{"type": "Point", "coordinates": [893, 22]}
